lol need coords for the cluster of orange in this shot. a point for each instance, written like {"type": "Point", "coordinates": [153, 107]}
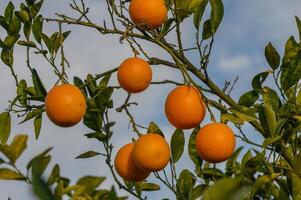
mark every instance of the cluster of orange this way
{"type": "Point", "coordinates": [184, 109]}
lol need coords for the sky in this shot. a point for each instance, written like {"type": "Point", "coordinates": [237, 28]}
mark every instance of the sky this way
{"type": "Point", "coordinates": [246, 29]}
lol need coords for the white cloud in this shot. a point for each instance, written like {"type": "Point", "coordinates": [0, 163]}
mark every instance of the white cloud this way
{"type": "Point", "coordinates": [235, 62]}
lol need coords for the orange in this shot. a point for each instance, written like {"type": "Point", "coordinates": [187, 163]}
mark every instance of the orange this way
{"type": "Point", "coordinates": [184, 107]}
{"type": "Point", "coordinates": [215, 142]}
{"type": "Point", "coordinates": [151, 152]}
{"type": "Point", "coordinates": [125, 166]}
{"type": "Point", "coordinates": [134, 75]}
{"type": "Point", "coordinates": [65, 105]}
{"type": "Point", "coordinates": [150, 14]}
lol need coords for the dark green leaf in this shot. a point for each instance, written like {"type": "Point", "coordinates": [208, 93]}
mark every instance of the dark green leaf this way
{"type": "Point", "coordinates": [271, 140]}
{"type": "Point", "coordinates": [47, 41]}
{"type": "Point", "coordinates": [299, 26]}
{"type": "Point", "coordinates": [248, 98]}
{"type": "Point", "coordinates": [97, 135]}
{"type": "Point", "coordinates": [88, 154]}
{"type": "Point", "coordinates": [26, 43]}
{"type": "Point", "coordinates": [34, 10]}
{"type": "Point", "coordinates": [104, 82]}
{"type": "Point", "coordinates": [232, 161]}
{"type": "Point", "coordinates": [37, 125]}
{"type": "Point", "coordinates": [9, 11]}
{"type": "Point", "coordinates": [198, 14]}
{"type": "Point", "coordinates": [177, 145]}
{"type": "Point", "coordinates": [185, 183]}
{"type": "Point", "coordinates": [145, 186]}
{"type": "Point", "coordinates": [90, 183]}
{"type": "Point", "coordinates": [217, 13]}
{"type": "Point", "coordinates": [262, 181]}
{"type": "Point", "coordinates": [197, 192]}
{"type": "Point", "coordinates": [272, 56]}
{"type": "Point", "coordinates": [8, 174]}
{"type": "Point", "coordinates": [7, 57]}
{"type": "Point", "coordinates": [207, 30]}
{"type": "Point", "coordinates": [37, 28]}
{"type": "Point", "coordinates": [193, 154]}
{"type": "Point", "coordinates": [5, 125]}
{"type": "Point", "coordinates": [154, 128]}
{"type": "Point", "coordinates": [40, 188]}
{"type": "Point", "coordinates": [3, 23]}
{"type": "Point", "coordinates": [166, 27]}
{"type": "Point", "coordinates": [54, 176]}
{"type": "Point", "coordinates": [32, 114]}
{"type": "Point", "coordinates": [38, 85]}
{"type": "Point", "coordinates": [80, 84]}
{"type": "Point", "coordinates": [291, 64]}
{"type": "Point", "coordinates": [271, 118]}
{"type": "Point", "coordinates": [258, 80]}
{"type": "Point", "coordinates": [27, 29]}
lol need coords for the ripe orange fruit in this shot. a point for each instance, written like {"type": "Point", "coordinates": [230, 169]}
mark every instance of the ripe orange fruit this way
{"type": "Point", "coordinates": [134, 75]}
{"type": "Point", "coordinates": [215, 142]}
{"type": "Point", "coordinates": [151, 152]}
{"type": "Point", "coordinates": [184, 107]}
{"type": "Point", "coordinates": [125, 166]}
{"type": "Point", "coordinates": [150, 14]}
{"type": "Point", "coordinates": [65, 105]}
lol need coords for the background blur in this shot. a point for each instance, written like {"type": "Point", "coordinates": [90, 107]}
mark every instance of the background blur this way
{"type": "Point", "coordinates": [246, 29]}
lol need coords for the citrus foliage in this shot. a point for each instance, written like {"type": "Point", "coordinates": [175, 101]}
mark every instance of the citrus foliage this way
{"type": "Point", "coordinates": [269, 171]}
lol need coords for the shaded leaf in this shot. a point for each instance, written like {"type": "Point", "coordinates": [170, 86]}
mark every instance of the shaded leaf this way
{"type": "Point", "coordinates": [243, 113]}
{"type": "Point", "coordinates": [177, 145]}
{"type": "Point", "coordinates": [26, 43]}
{"type": "Point", "coordinates": [154, 128]}
{"type": "Point", "coordinates": [90, 183]}
{"type": "Point", "coordinates": [248, 98]}
{"type": "Point", "coordinates": [207, 30]}
{"type": "Point", "coordinates": [37, 125]}
{"type": "Point", "coordinates": [88, 154]}
{"type": "Point", "coordinates": [272, 56]}
{"type": "Point", "coordinates": [258, 80]}
{"type": "Point", "coordinates": [193, 154]}
{"type": "Point", "coordinates": [198, 14]}
{"type": "Point", "coordinates": [54, 175]}
{"type": "Point", "coordinates": [232, 118]}
{"type": "Point", "coordinates": [217, 13]}
{"type": "Point", "coordinates": [38, 85]}
{"type": "Point", "coordinates": [37, 28]}
{"type": "Point", "coordinates": [145, 186]}
{"type": "Point", "coordinates": [5, 126]}
{"type": "Point", "coordinates": [8, 174]}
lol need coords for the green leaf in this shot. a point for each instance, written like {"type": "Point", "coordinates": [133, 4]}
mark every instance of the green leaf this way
{"type": "Point", "coordinates": [243, 113]}
{"type": "Point", "coordinates": [262, 181]}
{"type": "Point", "coordinates": [7, 57]}
{"type": "Point", "coordinates": [225, 187]}
{"type": "Point", "coordinates": [54, 176]}
{"type": "Point", "coordinates": [90, 183]}
{"type": "Point", "coordinates": [198, 14]}
{"type": "Point", "coordinates": [38, 85]}
{"type": "Point", "coordinates": [193, 154]}
{"type": "Point", "coordinates": [5, 126]}
{"type": "Point", "coordinates": [279, 125]}
{"type": "Point", "coordinates": [197, 191]}
{"type": "Point", "coordinates": [217, 13]}
{"type": "Point", "coordinates": [166, 27]}
{"type": "Point", "coordinates": [272, 56]}
{"type": "Point", "coordinates": [27, 43]}
{"type": "Point", "coordinates": [14, 26]}
{"type": "Point", "coordinates": [34, 10]}
{"type": "Point", "coordinates": [154, 128]}
{"type": "Point", "coordinates": [145, 186]}
{"type": "Point", "coordinates": [207, 30]}
{"type": "Point", "coordinates": [3, 23]}
{"type": "Point", "coordinates": [9, 11]}
{"type": "Point", "coordinates": [258, 80]}
{"type": "Point", "coordinates": [40, 188]}
{"type": "Point", "coordinates": [8, 174]}
{"type": "Point", "coordinates": [271, 98]}
{"type": "Point", "coordinates": [185, 8]}
{"type": "Point", "coordinates": [37, 28]}
{"type": "Point", "coordinates": [225, 117]}
{"type": "Point", "coordinates": [253, 165]}
{"type": "Point", "coordinates": [27, 29]}
{"type": "Point", "coordinates": [15, 149]}
{"type": "Point", "coordinates": [11, 40]}
{"type": "Point", "coordinates": [232, 161]}
{"type": "Point", "coordinates": [97, 135]}
{"type": "Point", "coordinates": [104, 82]}
{"type": "Point", "coordinates": [299, 26]}
{"type": "Point", "coordinates": [47, 41]}
{"type": "Point", "coordinates": [88, 154]}
{"type": "Point", "coordinates": [34, 113]}
{"type": "Point", "coordinates": [23, 16]}
{"type": "Point", "coordinates": [38, 158]}
{"type": "Point", "coordinates": [291, 64]}
{"type": "Point", "coordinates": [177, 145]}
{"type": "Point", "coordinates": [271, 118]}
{"type": "Point", "coordinates": [185, 183]}
{"type": "Point", "coordinates": [40, 164]}
{"type": "Point", "coordinates": [271, 140]}
{"type": "Point", "coordinates": [37, 125]}
{"type": "Point", "coordinates": [80, 84]}
{"type": "Point", "coordinates": [248, 99]}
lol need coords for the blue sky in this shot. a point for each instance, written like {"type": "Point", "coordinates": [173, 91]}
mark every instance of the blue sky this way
{"type": "Point", "coordinates": [246, 29]}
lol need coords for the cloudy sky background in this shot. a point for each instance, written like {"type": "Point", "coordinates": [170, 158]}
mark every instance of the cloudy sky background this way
{"type": "Point", "coordinates": [238, 50]}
